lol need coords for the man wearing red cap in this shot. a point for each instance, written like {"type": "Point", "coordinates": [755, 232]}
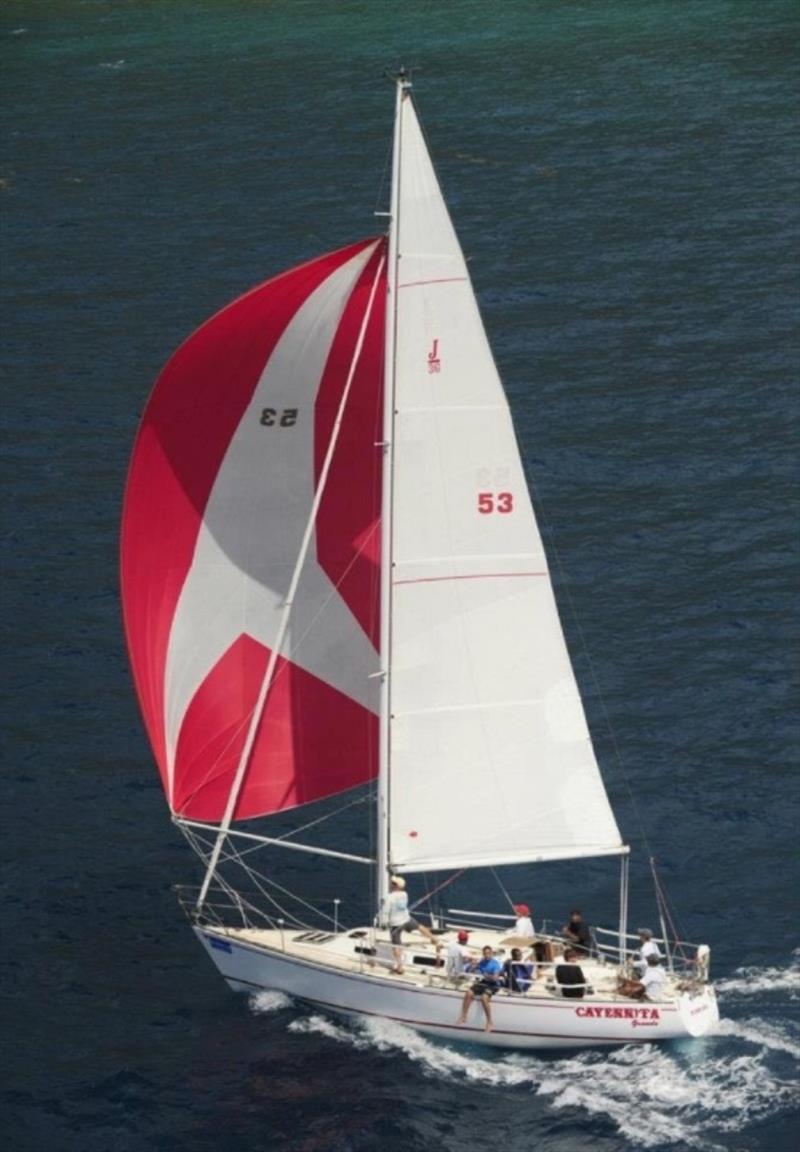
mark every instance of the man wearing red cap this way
{"type": "Point", "coordinates": [542, 950]}
{"type": "Point", "coordinates": [458, 958]}
{"type": "Point", "coordinates": [524, 925]}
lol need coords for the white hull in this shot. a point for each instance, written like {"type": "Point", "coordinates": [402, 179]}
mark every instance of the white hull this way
{"type": "Point", "coordinates": [522, 1022]}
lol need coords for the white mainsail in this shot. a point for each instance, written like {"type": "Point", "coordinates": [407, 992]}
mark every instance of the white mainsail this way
{"type": "Point", "coordinates": [490, 759]}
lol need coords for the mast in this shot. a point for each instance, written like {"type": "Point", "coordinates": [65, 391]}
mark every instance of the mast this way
{"type": "Point", "coordinates": [382, 881]}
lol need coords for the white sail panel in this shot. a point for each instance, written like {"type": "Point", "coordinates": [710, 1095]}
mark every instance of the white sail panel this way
{"type": "Point", "coordinates": [490, 757]}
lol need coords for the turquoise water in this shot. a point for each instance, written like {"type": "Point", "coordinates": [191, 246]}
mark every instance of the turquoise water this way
{"type": "Point", "coordinates": [623, 179]}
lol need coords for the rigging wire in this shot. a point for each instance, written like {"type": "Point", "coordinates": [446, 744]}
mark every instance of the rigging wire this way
{"type": "Point", "coordinates": [382, 183]}
{"type": "Point", "coordinates": [502, 888]}
{"type": "Point", "coordinates": [326, 816]}
{"type": "Point", "coordinates": [438, 888]}
{"type": "Point", "coordinates": [670, 916]}
{"type": "Point", "coordinates": [233, 855]}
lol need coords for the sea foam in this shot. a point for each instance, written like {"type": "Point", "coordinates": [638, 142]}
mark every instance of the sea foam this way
{"type": "Point", "coordinates": [269, 1001]}
{"type": "Point", "coordinates": [759, 981]}
{"type": "Point", "coordinates": [692, 1096]}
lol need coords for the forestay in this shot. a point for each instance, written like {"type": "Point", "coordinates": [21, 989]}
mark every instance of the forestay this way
{"type": "Point", "coordinates": [490, 756]}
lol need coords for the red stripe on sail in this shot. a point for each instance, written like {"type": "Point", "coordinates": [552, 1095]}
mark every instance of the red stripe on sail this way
{"type": "Point", "coordinates": [194, 410]}
{"type": "Point", "coordinates": [348, 524]}
{"type": "Point", "coordinates": [293, 760]}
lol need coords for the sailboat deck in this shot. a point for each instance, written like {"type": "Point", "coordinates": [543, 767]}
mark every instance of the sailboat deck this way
{"type": "Point", "coordinates": [370, 953]}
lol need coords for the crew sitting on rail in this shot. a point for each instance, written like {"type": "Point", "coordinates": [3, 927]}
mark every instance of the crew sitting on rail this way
{"type": "Point", "coordinates": [489, 981]}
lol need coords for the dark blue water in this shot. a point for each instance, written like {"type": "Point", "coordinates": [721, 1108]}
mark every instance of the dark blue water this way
{"type": "Point", "coordinates": [623, 177]}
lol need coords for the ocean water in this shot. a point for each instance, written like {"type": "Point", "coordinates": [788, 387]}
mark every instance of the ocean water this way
{"type": "Point", "coordinates": [623, 176]}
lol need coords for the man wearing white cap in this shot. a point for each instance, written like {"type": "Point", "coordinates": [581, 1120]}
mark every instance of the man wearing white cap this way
{"type": "Point", "coordinates": [399, 921]}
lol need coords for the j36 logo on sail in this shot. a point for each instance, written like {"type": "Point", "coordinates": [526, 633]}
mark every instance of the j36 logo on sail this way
{"type": "Point", "coordinates": [434, 359]}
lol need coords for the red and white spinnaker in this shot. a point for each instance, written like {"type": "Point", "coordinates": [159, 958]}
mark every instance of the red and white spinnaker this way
{"type": "Point", "coordinates": [221, 484]}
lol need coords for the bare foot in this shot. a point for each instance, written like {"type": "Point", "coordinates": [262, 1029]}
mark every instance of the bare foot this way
{"type": "Point", "coordinates": [487, 1026]}
{"type": "Point", "coordinates": [462, 1020]}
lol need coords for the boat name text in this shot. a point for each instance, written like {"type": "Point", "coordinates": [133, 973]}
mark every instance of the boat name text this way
{"type": "Point", "coordinates": [638, 1015]}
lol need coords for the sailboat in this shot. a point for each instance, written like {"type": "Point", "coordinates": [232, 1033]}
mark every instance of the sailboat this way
{"type": "Point", "coordinates": [333, 582]}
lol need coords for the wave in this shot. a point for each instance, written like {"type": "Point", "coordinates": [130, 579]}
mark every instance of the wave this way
{"type": "Point", "coordinates": [269, 1001]}
{"type": "Point", "coordinates": [655, 1097]}
{"type": "Point", "coordinates": [758, 981]}
{"type": "Point", "coordinates": [761, 1033]}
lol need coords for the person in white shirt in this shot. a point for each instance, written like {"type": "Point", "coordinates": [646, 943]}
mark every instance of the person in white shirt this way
{"type": "Point", "coordinates": [542, 950]}
{"type": "Point", "coordinates": [648, 948]}
{"type": "Point", "coordinates": [458, 959]}
{"type": "Point", "coordinates": [399, 920]}
{"type": "Point", "coordinates": [654, 979]}
{"type": "Point", "coordinates": [524, 924]}
{"type": "Point", "coordinates": [651, 985]}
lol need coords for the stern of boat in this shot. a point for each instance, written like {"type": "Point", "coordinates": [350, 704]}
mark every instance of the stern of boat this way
{"type": "Point", "coordinates": [699, 1011]}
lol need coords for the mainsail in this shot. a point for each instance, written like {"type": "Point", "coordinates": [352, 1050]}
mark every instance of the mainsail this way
{"type": "Point", "coordinates": [490, 760]}
{"type": "Point", "coordinates": [222, 479]}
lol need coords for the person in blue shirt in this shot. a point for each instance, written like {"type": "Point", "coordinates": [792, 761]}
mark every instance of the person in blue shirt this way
{"type": "Point", "coordinates": [517, 974]}
{"type": "Point", "coordinates": [490, 979]}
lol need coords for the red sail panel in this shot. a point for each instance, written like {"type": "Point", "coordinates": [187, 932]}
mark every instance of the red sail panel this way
{"type": "Point", "coordinates": [219, 491]}
{"type": "Point", "coordinates": [348, 526]}
{"type": "Point", "coordinates": [310, 739]}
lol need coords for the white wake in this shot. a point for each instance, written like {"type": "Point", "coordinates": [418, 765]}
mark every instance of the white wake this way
{"type": "Point", "coordinates": [269, 1001]}
{"type": "Point", "coordinates": [692, 1096]}
{"type": "Point", "coordinates": [761, 981]}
